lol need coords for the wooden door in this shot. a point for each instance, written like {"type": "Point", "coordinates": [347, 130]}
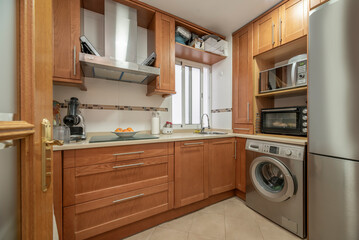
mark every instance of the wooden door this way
{"type": "Point", "coordinates": [34, 75]}
{"type": "Point", "coordinates": [163, 28]}
{"type": "Point", "coordinates": [293, 20]}
{"type": "Point", "coordinates": [191, 172]}
{"type": "Point", "coordinates": [241, 164]}
{"type": "Point", "coordinates": [242, 116]}
{"type": "Point", "coordinates": [221, 165]}
{"type": "Point", "coordinates": [265, 31]}
{"type": "Point", "coordinates": [66, 22]}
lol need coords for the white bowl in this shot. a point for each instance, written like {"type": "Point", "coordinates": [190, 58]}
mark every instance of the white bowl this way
{"type": "Point", "coordinates": [125, 134]}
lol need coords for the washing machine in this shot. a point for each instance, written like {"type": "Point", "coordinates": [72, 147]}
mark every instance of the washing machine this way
{"type": "Point", "coordinates": [276, 183]}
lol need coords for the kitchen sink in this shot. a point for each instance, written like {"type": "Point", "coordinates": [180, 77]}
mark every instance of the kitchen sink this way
{"type": "Point", "coordinates": [212, 133]}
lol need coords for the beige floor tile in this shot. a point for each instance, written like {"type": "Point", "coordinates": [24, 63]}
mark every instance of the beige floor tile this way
{"type": "Point", "coordinates": [272, 231]}
{"type": "Point", "coordinates": [145, 235]}
{"type": "Point", "coordinates": [194, 236]}
{"type": "Point", "coordinates": [168, 234]}
{"type": "Point", "coordinates": [242, 229]}
{"type": "Point", "coordinates": [237, 209]}
{"type": "Point", "coordinates": [208, 225]}
{"type": "Point", "coordinates": [181, 224]}
{"type": "Point", "coordinates": [218, 208]}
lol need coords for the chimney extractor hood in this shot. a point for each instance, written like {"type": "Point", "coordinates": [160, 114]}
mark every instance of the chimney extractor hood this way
{"type": "Point", "coordinates": [110, 69]}
{"type": "Point", "coordinates": [120, 61]}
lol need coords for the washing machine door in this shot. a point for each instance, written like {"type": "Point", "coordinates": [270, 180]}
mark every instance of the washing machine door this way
{"type": "Point", "coordinates": [272, 179]}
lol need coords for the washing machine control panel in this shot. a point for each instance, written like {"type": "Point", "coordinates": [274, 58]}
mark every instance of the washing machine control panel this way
{"type": "Point", "coordinates": [277, 149]}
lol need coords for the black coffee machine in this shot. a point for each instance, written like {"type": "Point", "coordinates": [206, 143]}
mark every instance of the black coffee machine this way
{"type": "Point", "coordinates": [74, 120]}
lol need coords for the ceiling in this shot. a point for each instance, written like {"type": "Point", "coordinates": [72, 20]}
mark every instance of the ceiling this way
{"type": "Point", "coordinates": [223, 17]}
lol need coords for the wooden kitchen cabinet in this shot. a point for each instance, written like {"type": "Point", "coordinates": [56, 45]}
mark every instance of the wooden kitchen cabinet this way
{"type": "Point", "coordinates": [265, 31]}
{"type": "Point", "coordinates": [161, 39]}
{"type": "Point", "coordinates": [66, 21]}
{"type": "Point", "coordinates": [242, 117]}
{"type": "Point", "coordinates": [106, 188]}
{"type": "Point", "coordinates": [241, 164]}
{"type": "Point", "coordinates": [221, 165]}
{"type": "Point", "coordinates": [191, 172]}
{"type": "Point", "coordinates": [316, 3]}
{"type": "Point", "coordinates": [293, 20]}
{"type": "Point", "coordinates": [282, 25]}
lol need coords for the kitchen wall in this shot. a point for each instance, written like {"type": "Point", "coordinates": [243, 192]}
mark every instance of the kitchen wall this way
{"type": "Point", "coordinates": [222, 91]}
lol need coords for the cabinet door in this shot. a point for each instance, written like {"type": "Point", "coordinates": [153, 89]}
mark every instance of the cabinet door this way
{"type": "Point", "coordinates": [241, 164]}
{"type": "Point", "coordinates": [191, 172]}
{"type": "Point", "coordinates": [316, 3]}
{"type": "Point", "coordinates": [221, 165]}
{"type": "Point", "coordinates": [242, 78]}
{"type": "Point", "coordinates": [164, 31]}
{"type": "Point", "coordinates": [265, 30]}
{"type": "Point", "coordinates": [293, 20]}
{"type": "Point", "coordinates": [66, 40]}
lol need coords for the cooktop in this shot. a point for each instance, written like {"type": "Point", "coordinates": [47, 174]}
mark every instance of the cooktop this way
{"type": "Point", "coordinates": [114, 138]}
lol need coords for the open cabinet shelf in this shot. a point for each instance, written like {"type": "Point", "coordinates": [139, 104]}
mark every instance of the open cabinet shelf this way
{"type": "Point", "coordinates": [283, 136]}
{"type": "Point", "coordinates": [197, 55]}
{"type": "Point", "coordinates": [285, 93]}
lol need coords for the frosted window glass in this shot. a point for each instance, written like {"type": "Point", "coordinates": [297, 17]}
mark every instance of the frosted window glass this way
{"type": "Point", "coordinates": [8, 56]}
{"type": "Point", "coordinates": [186, 96]}
{"type": "Point", "coordinates": [196, 96]}
{"type": "Point", "coordinates": [177, 98]}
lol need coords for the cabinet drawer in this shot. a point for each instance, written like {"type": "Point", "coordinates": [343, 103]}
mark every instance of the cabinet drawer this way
{"type": "Point", "coordinates": [85, 220]}
{"type": "Point", "coordinates": [87, 183]}
{"type": "Point", "coordinates": [243, 128]}
{"type": "Point", "coordinates": [92, 156]}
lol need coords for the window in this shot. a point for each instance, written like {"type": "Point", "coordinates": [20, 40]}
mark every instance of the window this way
{"type": "Point", "coordinates": [192, 98]}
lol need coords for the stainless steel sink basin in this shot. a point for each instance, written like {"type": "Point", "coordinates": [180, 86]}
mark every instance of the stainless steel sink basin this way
{"type": "Point", "coordinates": [212, 133]}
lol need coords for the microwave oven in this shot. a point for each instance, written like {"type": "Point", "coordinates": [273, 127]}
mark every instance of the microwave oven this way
{"type": "Point", "coordinates": [286, 120]}
{"type": "Point", "coordinates": [288, 76]}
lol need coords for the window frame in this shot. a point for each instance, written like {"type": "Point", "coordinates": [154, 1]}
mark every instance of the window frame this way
{"type": "Point", "coordinates": [183, 63]}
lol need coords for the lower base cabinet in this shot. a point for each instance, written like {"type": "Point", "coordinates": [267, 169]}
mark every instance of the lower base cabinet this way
{"type": "Point", "coordinates": [191, 172]}
{"type": "Point", "coordinates": [89, 219]}
{"type": "Point", "coordinates": [241, 164]}
{"type": "Point", "coordinates": [221, 165]}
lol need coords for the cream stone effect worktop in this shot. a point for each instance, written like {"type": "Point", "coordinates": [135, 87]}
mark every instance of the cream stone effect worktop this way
{"type": "Point", "coordinates": [183, 136]}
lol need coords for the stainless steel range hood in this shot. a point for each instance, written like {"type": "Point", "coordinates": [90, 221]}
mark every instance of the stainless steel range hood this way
{"type": "Point", "coordinates": [120, 61]}
{"type": "Point", "coordinates": [110, 69]}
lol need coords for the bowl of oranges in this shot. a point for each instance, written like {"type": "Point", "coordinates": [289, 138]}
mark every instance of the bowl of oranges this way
{"type": "Point", "coordinates": [124, 132]}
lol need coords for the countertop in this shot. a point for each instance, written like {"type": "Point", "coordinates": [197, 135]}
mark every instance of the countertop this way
{"type": "Point", "coordinates": [183, 136]}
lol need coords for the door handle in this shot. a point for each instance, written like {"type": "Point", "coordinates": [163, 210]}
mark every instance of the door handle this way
{"type": "Point", "coordinates": [273, 42]}
{"type": "Point", "coordinates": [247, 111]}
{"type": "Point", "coordinates": [46, 154]}
{"type": "Point", "coordinates": [280, 30]}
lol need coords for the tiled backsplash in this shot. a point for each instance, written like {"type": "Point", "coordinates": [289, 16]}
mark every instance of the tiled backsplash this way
{"type": "Point", "coordinates": [102, 93]}
{"type": "Point", "coordinates": [116, 107]}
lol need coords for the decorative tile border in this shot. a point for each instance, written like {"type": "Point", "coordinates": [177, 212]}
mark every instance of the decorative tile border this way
{"type": "Point", "coordinates": [117, 107]}
{"type": "Point", "coordinates": [221, 110]}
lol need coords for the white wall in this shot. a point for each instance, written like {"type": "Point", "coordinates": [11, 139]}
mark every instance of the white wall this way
{"type": "Point", "coordinates": [222, 90]}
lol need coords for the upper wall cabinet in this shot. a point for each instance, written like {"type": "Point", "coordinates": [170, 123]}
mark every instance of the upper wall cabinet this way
{"type": "Point", "coordinates": [293, 20]}
{"type": "Point", "coordinates": [66, 41]}
{"type": "Point", "coordinates": [282, 25]}
{"type": "Point", "coordinates": [162, 33]}
{"type": "Point", "coordinates": [265, 32]}
{"type": "Point", "coordinates": [316, 3]}
{"type": "Point", "coordinates": [242, 116]}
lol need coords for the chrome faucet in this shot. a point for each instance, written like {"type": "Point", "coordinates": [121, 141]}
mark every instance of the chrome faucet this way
{"type": "Point", "coordinates": [202, 128]}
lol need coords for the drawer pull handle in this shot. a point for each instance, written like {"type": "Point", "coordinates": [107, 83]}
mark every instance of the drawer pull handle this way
{"type": "Point", "coordinates": [129, 165]}
{"type": "Point", "coordinates": [243, 129]}
{"type": "Point", "coordinates": [188, 144]}
{"type": "Point", "coordinates": [128, 153]}
{"type": "Point", "coordinates": [128, 198]}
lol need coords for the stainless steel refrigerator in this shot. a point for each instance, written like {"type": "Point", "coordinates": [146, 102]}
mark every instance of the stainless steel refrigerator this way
{"type": "Point", "coordinates": [333, 164]}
